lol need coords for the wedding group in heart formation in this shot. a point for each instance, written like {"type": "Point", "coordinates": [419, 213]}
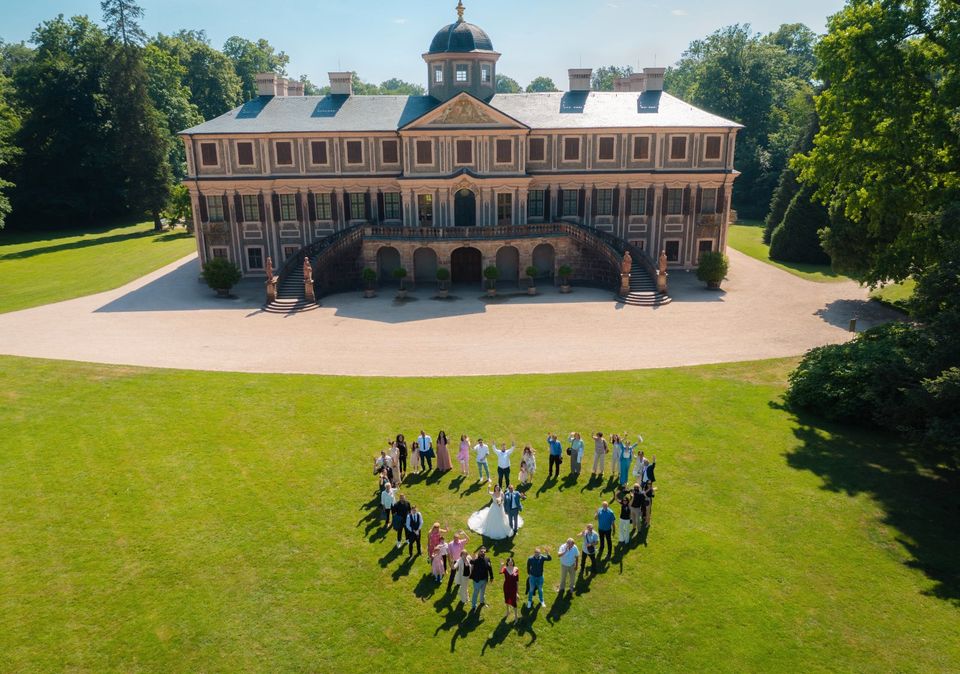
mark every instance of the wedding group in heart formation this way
{"type": "Point", "coordinates": [501, 518]}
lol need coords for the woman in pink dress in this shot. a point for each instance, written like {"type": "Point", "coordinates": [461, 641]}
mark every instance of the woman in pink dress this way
{"type": "Point", "coordinates": [454, 548]}
{"type": "Point", "coordinates": [439, 564]}
{"type": "Point", "coordinates": [463, 456]}
{"type": "Point", "coordinates": [415, 457]}
{"type": "Point", "coordinates": [433, 540]}
{"type": "Point", "coordinates": [443, 456]}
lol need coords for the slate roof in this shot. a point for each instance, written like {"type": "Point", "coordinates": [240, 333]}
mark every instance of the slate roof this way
{"type": "Point", "coordinates": [556, 110]}
{"type": "Point", "coordinates": [460, 37]}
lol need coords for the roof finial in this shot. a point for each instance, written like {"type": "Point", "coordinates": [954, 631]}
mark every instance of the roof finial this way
{"type": "Point", "coordinates": [460, 9]}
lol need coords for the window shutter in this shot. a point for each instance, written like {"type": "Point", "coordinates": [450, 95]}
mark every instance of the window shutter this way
{"type": "Point", "coordinates": [593, 203]}
{"type": "Point", "coordinates": [721, 196]}
{"type": "Point", "coordinates": [651, 196]}
{"type": "Point", "coordinates": [663, 206]}
{"type": "Point", "coordinates": [546, 205]}
{"type": "Point", "coordinates": [238, 206]}
{"type": "Point", "coordinates": [299, 206]}
{"type": "Point", "coordinates": [275, 200]}
{"type": "Point", "coordinates": [366, 206]}
{"type": "Point", "coordinates": [699, 199]}
{"type": "Point", "coordinates": [582, 199]}
{"type": "Point", "coordinates": [559, 203]}
{"type": "Point", "coordinates": [346, 208]}
{"type": "Point", "coordinates": [202, 201]}
{"type": "Point", "coordinates": [226, 207]}
{"type": "Point", "coordinates": [381, 211]}
{"type": "Point", "coordinates": [628, 209]}
{"type": "Point", "coordinates": [312, 206]}
{"type": "Point", "coordinates": [334, 209]}
{"type": "Point", "coordinates": [263, 215]}
{"type": "Point", "coordinates": [686, 200]}
{"type": "Point", "coordinates": [616, 202]}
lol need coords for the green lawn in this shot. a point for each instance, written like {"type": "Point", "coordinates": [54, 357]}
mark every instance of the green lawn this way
{"type": "Point", "coordinates": [44, 267]}
{"type": "Point", "coordinates": [895, 294]}
{"type": "Point", "coordinates": [747, 237]}
{"type": "Point", "coordinates": [172, 521]}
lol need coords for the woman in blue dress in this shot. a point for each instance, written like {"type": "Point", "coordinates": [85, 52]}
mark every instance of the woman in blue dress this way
{"type": "Point", "coordinates": [625, 453]}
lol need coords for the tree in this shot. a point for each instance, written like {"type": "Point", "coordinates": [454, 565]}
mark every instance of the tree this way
{"type": "Point", "coordinates": [506, 85]}
{"type": "Point", "coordinates": [396, 86]}
{"type": "Point", "coordinates": [9, 123]}
{"type": "Point", "coordinates": [122, 20]}
{"type": "Point", "coordinates": [214, 85]}
{"type": "Point", "coordinates": [171, 98]}
{"type": "Point", "coordinates": [541, 83]}
{"type": "Point", "coordinates": [309, 88]}
{"type": "Point", "coordinates": [250, 58]}
{"type": "Point", "coordinates": [604, 76]}
{"type": "Point", "coordinates": [797, 238]}
{"type": "Point", "coordinates": [788, 185]}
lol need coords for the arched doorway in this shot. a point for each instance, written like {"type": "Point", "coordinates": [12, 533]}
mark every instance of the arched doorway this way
{"type": "Point", "coordinates": [508, 262]}
{"type": "Point", "coordinates": [466, 265]}
{"type": "Point", "coordinates": [424, 265]}
{"type": "Point", "coordinates": [543, 259]}
{"type": "Point", "coordinates": [464, 208]}
{"type": "Point", "coordinates": [388, 259]}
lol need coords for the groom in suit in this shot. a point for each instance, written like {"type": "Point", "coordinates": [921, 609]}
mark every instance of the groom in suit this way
{"type": "Point", "coordinates": [513, 506]}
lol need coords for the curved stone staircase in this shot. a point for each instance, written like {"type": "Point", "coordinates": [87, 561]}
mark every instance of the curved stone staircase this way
{"type": "Point", "coordinates": [291, 296]}
{"type": "Point", "coordinates": [643, 288]}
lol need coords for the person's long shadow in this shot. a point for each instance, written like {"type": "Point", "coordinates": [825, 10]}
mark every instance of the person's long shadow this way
{"type": "Point", "coordinates": [525, 626]}
{"type": "Point", "coordinates": [426, 588]}
{"type": "Point", "coordinates": [559, 607]}
{"type": "Point", "coordinates": [594, 482]}
{"type": "Point", "coordinates": [584, 578]}
{"type": "Point", "coordinates": [388, 558]}
{"type": "Point", "coordinates": [549, 482]}
{"type": "Point", "coordinates": [468, 624]}
{"type": "Point", "coordinates": [497, 637]}
{"type": "Point", "coordinates": [568, 481]}
{"type": "Point", "coordinates": [375, 531]}
{"type": "Point", "coordinates": [453, 619]}
{"type": "Point", "coordinates": [404, 568]}
{"type": "Point", "coordinates": [914, 485]}
{"type": "Point", "coordinates": [474, 488]}
{"type": "Point", "coordinates": [434, 476]}
{"type": "Point", "coordinates": [456, 483]}
{"type": "Point", "coordinates": [447, 597]}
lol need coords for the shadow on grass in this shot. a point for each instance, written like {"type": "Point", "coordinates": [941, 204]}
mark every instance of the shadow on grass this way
{"type": "Point", "coordinates": [549, 482]}
{"type": "Point", "coordinates": [559, 607]}
{"type": "Point", "coordinates": [527, 620]}
{"type": "Point", "coordinates": [403, 569]}
{"type": "Point", "coordinates": [569, 480]}
{"type": "Point", "coordinates": [474, 488]}
{"type": "Point", "coordinates": [426, 588]}
{"type": "Point", "coordinates": [456, 483]}
{"type": "Point", "coordinates": [454, 618]}
{"type": "Point", "coordinates": [497, 637]}
{"type": "Point", "coordinates": [467, 624]}
{"type": "Point", "coordinates": [595, 482]}
{"type": "Point", "coordinates": [87, 243]}
{"type": "Point", "coordinates": [916, 488]}
{"type": "Point", "coordinates": [391, 555]}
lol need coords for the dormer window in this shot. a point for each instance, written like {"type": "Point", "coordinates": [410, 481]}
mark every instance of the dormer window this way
{"type": "Point", "coordinates": [461, 72]}
{"type": "Point", "coordinates": [485, 73]}
{"type": "Point", "coordinates": [438, 74]}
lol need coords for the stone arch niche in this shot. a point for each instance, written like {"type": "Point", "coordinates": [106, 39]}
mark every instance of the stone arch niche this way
{"type": "Point", "coordinates": [466, 265]}
{"type": "Point", "coordinates": [388, 259]}
{"type": "Point", "coordinates": [508, 262]}
{"type": "Point", "coordinates": [544, 257]}
{"type": "Point", "coordinates": [464, 208]}
{"type": "Point", "coordinates": [424, 265]}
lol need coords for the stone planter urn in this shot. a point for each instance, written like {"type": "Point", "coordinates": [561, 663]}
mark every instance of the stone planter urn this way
{"type": "Point", "coordinates": [402, 294]}
{"type": "Point", "coordinates": [565, 288]}
{"type": "Point", "coordinates": [443, 293]}
{"type": "Point", "coordinates": [491, 292]}
{"type": "Point", "coordinates": [369, 292]}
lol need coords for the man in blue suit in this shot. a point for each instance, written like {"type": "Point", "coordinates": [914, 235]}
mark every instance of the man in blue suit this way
{"type": "Point", "coordinates": [512, 505]}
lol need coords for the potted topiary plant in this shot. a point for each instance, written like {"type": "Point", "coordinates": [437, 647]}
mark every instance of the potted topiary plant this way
{"type": "Point", "coordinates": [443, 277]}
{"type": "Point", "coordinates": [491, 273]}
{"type": "Point", "coordinates": [369, 277]}
{"type": "Point", "coordinates": [221, 275]}
{"type": "Point", "coordinates": [564, 273]}
{"type": "Point", "coordinates": [713, 269]}
{"type": "Point", "coordinates": [532, 273]}
{"type": "Point", "coordinates": [401, 274]}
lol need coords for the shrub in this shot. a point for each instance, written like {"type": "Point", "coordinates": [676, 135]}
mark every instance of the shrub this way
{"type": "Point", "coordinates": [797, 238]}
{"type": "Point", "coordinates": [713, 267]}
{"type": "Point", "coordinates": [369, 276]}
{"type": "Point", "coordinates": [491, 273]}
{"type": "Point", "coordinates": [532, 273]}
{"type": "Point", "coordinates": [221, 274]}
{"type": "Point", "coordinates": [786, 190]}
{"type": "Point", "coordinates": [400, 274]}
{"type": "Point", "coordinates": [443, 274]}
{"type": "Point", "coordinates": [564, 272]}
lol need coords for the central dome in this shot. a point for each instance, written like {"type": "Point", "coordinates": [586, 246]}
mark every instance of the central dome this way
{"type": "Point", "coordinates": [460, 37]}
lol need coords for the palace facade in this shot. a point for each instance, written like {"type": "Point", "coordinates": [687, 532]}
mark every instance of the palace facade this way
{"type": "Point", "coordinates": [462, 177]}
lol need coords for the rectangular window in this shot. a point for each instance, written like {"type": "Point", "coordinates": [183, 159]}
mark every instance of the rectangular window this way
{"type": "Point", "coordinates": [391, 205]}
{"type": "Point", "coordinates": [464, 151]}
{"type": "Point", "coordinates": [322, 204]}
{"type": "Point", "coordinates": [571, 202]}
{"type": "Point", "coordinates": [354, 152]}
{"type": "Point", "coordinates": [641, 147]}
{"type": "Point", "coordinates": [318, 152]}
{"type": "Point", "coordinates": [251, 208]}
{"type": "Point", "coordinates": [703, 246]}
{"type": "Point", "coordinates": [712, 149]}
{"type": "Point", "coordinates": [674, 201]}
{"type": "Point", "coordinates": [504, 151]}
{"type": "Point", "coordinates": [245, 154]}
{"type": "Point", "coordinates": [218, 252]}
{"type": "Point", "coordinates": [438, 74]}
{"type": "Point", "coordinates": [390, 152]}
{"type": "Point", "coordinates": [284, 152]}
{"type": "Point", "coordinates": [504, 209]}
{"type": "Point", "coordinates": [255, 257]}
{"type": "Point", "coordinates": [461, 72]}
{"type": "Point", "coordinates": [708, 200]}
{"type": "Point", "coordinates": [537, 149]}
{"type": "Point", "coordinates": [425, 209]}
{"type": "Point", "coordinates": [604, 202]}
{"type": "Point", "coordinates": [288, 206]}
{"type": "Point", "coordinates": [673, 250]}
{"type": "Point", "coordinates": [535, 204]}
{"type": "Point", "coordinates": [215, 208]}
{"type": "Point", "coordinates": [571, 149]}
{"type": "Point", "coordinates": [638, 202]}
{"type": "Point", "coordinates": [358, 206]}
{"type": "Point", "coordinates": [605, 149]}
{"type": "Point", "coordinates": [208, 154]}
{"type": "Point", "coordinates": [424, 152]}
{"type": "Point", "coordinates": [678, 147]}
{"type": "Point", "coordinates": [485, 73]}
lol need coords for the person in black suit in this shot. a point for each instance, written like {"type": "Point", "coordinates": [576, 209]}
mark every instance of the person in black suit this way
{"type": "Point", "coordinates": [481, 572]}
{"type": "Point", "coordinates": [413, 527]}
{"type": "Point", "coordinates": [400, 511]}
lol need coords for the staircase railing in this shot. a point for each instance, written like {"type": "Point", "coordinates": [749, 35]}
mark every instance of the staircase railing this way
{"type": "Point", "coordinates": [319, 250]}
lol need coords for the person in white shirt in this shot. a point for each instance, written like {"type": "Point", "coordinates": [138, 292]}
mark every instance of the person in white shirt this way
{"type": "Point", "coordinates": [482, 451]}
{"type": "Point", "coordinates": [387, 498]}
{"type": "Point", "coordinates": [503, 463]}
{"type": "Point", "coordinates": [426, 450]}
{"type": "Point", "coordinates": [569, 555]}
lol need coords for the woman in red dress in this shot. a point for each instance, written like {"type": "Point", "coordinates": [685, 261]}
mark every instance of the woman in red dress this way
{"type": "Point", "coordinates": [511, 581]}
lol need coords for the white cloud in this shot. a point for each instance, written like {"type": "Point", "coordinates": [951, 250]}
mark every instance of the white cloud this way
{"type": "Point", "coordinates": [678, 12]}
{"type": "Point", "coordinates": [613, 5]}
{"type": "Point", "coordinates": [400, 21]}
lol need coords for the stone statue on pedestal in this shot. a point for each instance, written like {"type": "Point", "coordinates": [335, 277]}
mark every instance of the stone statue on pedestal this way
{"type": "Point", "coordinates": [307, 270]}
{"type": "Point", "coordinates": [663, 262]}
{"type": "Point", "coordinates": [269, 269]}
{"type": "Point", "coordinates": [627, 263]}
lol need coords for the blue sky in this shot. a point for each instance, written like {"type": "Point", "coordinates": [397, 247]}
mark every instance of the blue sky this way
{"type": "Point", "coordinates": [381, 39]}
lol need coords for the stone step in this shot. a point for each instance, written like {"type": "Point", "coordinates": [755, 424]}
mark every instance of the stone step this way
{"type": "Point", "coordinates": [289, 307]}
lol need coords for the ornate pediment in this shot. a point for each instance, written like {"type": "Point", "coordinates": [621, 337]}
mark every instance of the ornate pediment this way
{"type": "Point", "coordinates": [463, 111]}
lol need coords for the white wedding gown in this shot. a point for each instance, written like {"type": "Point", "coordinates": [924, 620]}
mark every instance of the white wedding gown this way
{"type": "Point", "coordinates": [492, 521]}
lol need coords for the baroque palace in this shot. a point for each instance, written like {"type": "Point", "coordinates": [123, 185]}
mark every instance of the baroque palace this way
{"type": "Point", "coordinates": [462, 178]}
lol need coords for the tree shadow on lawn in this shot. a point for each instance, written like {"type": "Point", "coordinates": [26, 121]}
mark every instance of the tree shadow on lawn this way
{"type": "Point", "coordinates": [915, 486]}
{"type": "Point", "coordinates": [84, 243]}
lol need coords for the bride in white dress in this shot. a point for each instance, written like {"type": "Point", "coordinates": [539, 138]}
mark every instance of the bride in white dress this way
{"type": "Point", "coordinates": [492, 521]}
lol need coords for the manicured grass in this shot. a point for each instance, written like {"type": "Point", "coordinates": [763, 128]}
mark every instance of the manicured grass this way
{"type": "Point", "coordinates": [44, 267]}
{"type": "Point", "coordinates": [173, 521]}
{"type": "Point", "coordinates": [747, 237]}
{"type": "Point", "coordinates": [895, 294]}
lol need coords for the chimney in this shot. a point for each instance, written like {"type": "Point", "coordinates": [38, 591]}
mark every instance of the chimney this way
{"type": "Point", "coordinates": [654, 79]}
{"type": "Point", "coordinates": [341, 83]}
{"type": "Point", "coordinates": [266, 84]}
{"type": "Point", "coordinates": [281, 86]}
{"type": "Point", "coordinates": [294, 88]}
{"type": "Point", "coordinates": [580, 78]}
{"type": "Point", "coordinates": [632, 82]}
